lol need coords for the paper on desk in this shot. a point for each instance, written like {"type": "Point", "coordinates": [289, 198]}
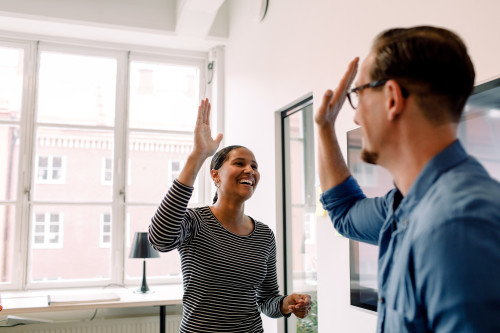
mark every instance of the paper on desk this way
{"type": "Point", "coordinates": [61, 299]}
{"type": "Point", "coordinates": [19, 302]}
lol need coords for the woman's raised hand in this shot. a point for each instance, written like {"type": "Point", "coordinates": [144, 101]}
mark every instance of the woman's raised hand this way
{"type": "Point", "coordinates": [204, 145]}
{"type": "Point", "coordinates": [203, 142]}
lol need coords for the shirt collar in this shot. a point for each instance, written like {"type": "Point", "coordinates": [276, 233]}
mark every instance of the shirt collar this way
{"type": "Point", "coordinates": [446, 159]}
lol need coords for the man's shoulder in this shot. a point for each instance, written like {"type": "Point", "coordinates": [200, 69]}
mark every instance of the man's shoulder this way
{"type": "Point", "coordinates": [469, 181]}
{"type": "Point", "coordinates": [460, 194]}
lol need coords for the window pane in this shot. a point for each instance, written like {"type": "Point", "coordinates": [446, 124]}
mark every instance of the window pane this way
{"type": "Point", "coordinates": [300, 209]}
{"type": "Point", "coordinates": [76, 89]}
{"type": "Point", "coordinates": [150, 156]}
{"type": "Point", "coordinates": [7, 233]}
{"type": "Point", "coordinates": [163, 96]}
{"type": "Point", "coordinates": [57, 162]}
{"type": "Point", "coordinates": [9, 157]}
{"type": "Point", "coordinates": [74, 164]}
{"type": "Point", "coordinates": [167, 266]}
{"type": "Point", "coordinates": [11, 83]}
{"type": "Point", "coordinates": [62, 244]}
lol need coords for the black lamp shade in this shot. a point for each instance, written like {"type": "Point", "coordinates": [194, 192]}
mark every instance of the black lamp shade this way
{"type": "Point", "coordinates": [141, 247]}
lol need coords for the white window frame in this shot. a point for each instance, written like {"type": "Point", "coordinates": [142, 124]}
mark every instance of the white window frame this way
{"type": "Point", "coordinates": [204, 175]}
{"type": "Point", "coordinates": [32, 48]}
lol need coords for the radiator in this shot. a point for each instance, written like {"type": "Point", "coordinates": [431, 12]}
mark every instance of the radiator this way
{"type": "Point", "coordinates": [122, 325]}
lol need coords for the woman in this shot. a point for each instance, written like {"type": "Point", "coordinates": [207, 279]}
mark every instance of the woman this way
{"type": "Point", "coordinates": [228, 259]}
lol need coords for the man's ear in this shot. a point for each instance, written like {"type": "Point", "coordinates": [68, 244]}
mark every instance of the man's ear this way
{"type": "Point", "coordinates": [394, 101]}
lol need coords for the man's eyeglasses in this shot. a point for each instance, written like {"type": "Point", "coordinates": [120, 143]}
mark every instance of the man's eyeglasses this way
{"type": "Point", "coordinates": [353, 94]}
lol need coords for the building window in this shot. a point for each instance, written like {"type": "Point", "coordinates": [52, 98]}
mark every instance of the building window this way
{"type": "Point", "coordinates": [107, 171]}
{"type": "Point", "coordinates": [105, 239]}
{"type": "Point", "coordinates": [50, 170]}
{"type": "Point", "coordinates": [175, 169]}
{"type": "Point", "coordinates": [47, 230]}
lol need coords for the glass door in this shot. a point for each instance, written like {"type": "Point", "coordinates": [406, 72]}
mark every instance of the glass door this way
{"type": "Point", "coordinates": [299, 208]}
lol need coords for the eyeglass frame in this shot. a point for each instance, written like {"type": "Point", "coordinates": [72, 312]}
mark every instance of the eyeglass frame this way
{"type": "Point", "coordinates": [356, 90]}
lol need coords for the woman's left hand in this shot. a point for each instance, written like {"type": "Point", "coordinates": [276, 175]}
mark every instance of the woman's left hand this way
{"type": "Point", "coordinates": [298, 304]}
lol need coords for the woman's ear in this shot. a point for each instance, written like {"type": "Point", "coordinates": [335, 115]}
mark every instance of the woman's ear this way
{"type": "Point", "coordinates": [215, 175]}
{"type": "Point", "coordinates": [394, 100]}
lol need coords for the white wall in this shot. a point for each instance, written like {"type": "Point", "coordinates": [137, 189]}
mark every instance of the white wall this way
{"type": "Point", "coordinates": [304, 46]}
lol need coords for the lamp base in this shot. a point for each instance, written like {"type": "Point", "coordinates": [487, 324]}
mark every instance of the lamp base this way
{"type": "Point", "coordinates": [143, 289]}
{"type": "Point", "coordinates": [139, 291]}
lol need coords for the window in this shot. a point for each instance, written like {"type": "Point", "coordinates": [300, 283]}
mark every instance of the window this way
{"type": "Point", "coordinates": [163, 106]}
{"type": "Point", "coordinates": [175, 168]}
{"type": "Point", "coordinates": [50, 170]}
{"type": "Point", "coordinates": [107, 171]}
{"type": "Point", "coordinates": [47, 230]}
{"type": "Point", "coordinates": [13, 59]}
{"type": "Point", "coordinates": [86, 117]}
{"type": "Point", "coordinates": [105, 238]}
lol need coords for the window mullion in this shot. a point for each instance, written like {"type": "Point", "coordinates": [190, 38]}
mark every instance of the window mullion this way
{"type": "Point", "coordinates": [118, 218]}
{"type": "Point", "coordinates": [23, 211]}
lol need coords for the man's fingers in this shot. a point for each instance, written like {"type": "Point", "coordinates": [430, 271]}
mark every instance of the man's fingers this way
{"type": "Point", "coordinates": [324, 108]}
{"type": "Point", "coordinates": [345, 83]}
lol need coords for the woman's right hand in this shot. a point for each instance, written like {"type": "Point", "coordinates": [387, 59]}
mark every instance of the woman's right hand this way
{"type": "Point", "coordinates": [204, 145]}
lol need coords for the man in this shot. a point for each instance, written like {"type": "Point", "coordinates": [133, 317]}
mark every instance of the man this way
{"type": "Point", "coordinates": [438, 230]}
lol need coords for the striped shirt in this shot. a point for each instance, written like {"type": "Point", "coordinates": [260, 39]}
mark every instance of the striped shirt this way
{"type": "Point", "coordinates": [228, 278]}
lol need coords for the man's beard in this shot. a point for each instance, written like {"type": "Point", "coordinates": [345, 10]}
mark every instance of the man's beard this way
{"type": "Point", "coordinates": [369, 157]}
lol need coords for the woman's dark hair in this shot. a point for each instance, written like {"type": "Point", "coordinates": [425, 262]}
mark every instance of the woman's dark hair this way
{"type": "Point", "coordinates": [219, 158]}
{"type": "Point", "coordinates": [430, 63]}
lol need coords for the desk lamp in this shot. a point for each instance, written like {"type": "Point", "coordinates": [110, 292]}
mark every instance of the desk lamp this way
{"type": "Point", "coordinates": [142, 249]}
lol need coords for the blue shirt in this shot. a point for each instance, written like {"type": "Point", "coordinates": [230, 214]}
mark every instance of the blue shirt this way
{"type": "Point", "coordinates": [439, 246]}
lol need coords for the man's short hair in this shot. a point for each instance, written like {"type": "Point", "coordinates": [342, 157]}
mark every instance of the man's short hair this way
{"type": "Point", "coordinates": [430, 63]}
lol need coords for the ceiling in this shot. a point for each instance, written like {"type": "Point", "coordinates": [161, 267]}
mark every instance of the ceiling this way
{"type": "Point", "coordinates": [196, 25]}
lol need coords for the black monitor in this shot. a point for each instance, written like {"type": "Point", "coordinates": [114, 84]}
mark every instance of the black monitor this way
{"type": "Point", "coordinates": [479, 132]}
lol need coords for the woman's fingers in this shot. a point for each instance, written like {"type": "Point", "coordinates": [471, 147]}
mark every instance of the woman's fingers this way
{"type": "Point", "coordinates": [203, 112]}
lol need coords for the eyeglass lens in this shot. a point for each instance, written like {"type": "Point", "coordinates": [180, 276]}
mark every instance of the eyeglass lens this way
{"type": "Point", "coordinates": [354, 99]}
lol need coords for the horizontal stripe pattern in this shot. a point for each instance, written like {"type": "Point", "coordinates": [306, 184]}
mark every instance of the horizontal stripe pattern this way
{"type": "Point", "coordinates": [228, 279]}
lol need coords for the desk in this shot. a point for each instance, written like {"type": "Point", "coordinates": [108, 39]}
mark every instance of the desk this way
{"type": "Point", "coordinates": [15, 303]}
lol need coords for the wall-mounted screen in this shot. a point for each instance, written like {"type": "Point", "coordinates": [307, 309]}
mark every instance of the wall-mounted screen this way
{"type": "Point", "coordinates": [479, 132]}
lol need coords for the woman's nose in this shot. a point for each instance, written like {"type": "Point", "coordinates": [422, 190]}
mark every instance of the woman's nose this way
{"type": "Point", "coordinates": [249, 170]}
